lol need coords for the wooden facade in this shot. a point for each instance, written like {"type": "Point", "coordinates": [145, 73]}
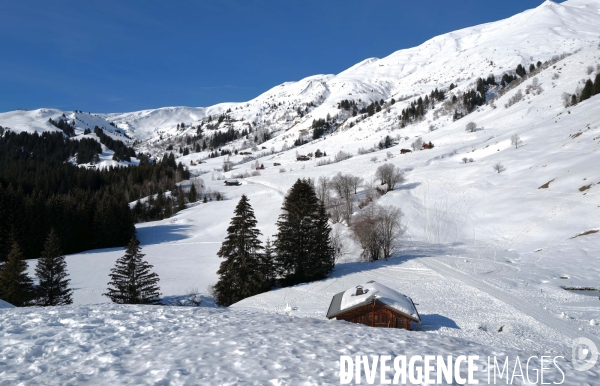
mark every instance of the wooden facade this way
{"type": "Point", "coordinates": [376, 314]}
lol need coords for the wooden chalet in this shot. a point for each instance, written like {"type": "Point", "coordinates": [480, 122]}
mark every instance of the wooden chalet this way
{"type": "Point", "coordinates": [404, 151]}
{"type": "Point", "coordinates": [232, 183]}
{"type": "Point", "coordinates": [374, 305]}
{"type": "Point", "coordinates": [302, 158]}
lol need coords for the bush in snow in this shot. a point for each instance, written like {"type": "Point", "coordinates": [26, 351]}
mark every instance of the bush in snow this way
{"type": "Point", "coordinates": [514, 99]}
{"type": "Point", "coordinates": [498, 167]}
{"type": "Point", "coordinates": [342, 156]}
{"type": "Point", "coordinates": [471, 127]}
{"type": "Point", "coordinates": [417, 144]}
{"type": "Point", "coordinates": [282, 170]}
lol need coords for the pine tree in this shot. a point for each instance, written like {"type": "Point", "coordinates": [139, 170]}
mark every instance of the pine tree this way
{"type": "Point", "coordinates": [597, 84]}
{"type": "Point", "coordinates": [241, 274]}
{"type": "Point", "coordinates": [587, 91]}
{"type": "Point", "coordinates": [268, 262]}
{"type": "Point", "coordinates": [193, 193]}
{"type": "Point", "coordinates": [51, 270]}
{"type": "Point", "coordinates": [132, 282]}
{"type": "Point", "coordinates": [15, 286]}
{"type": "Point", "coordinates": [302, 246]}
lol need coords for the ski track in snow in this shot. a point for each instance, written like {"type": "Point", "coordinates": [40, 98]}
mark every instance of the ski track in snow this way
{"type": "Point", "coordinates": [521, 304]}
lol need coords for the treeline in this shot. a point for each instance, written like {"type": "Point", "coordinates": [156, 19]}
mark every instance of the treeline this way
{"type": "Point", "coordinates": [88, 208]}
{"type": "Point", "coordinates": [63, 124]}
{"type": "Point", "coordinates": [122, 151]}
{"type": "Point", "coordinates": [418, 108]}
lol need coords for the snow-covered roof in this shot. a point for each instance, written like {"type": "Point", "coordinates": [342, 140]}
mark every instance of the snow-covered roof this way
{"type": "Point", "coordinates": [349, 299]}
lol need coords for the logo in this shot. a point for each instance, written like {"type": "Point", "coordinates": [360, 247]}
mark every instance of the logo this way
{"type": "Point", "coordinates": [585, 354]}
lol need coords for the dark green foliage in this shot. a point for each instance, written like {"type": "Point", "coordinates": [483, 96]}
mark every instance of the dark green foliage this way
{"type": "Point", "coordinates": [193, 193]}
{"type": "Point", "coordinates": [320, 126]}
{"type": "Point", "coordinates": [15, 286]}
{"type": "Point", "coordinates": [243, 273]}
{"type": "Point", "coordinates": [122, 151]}
{"type": "Point", "coordinates": [385, 143]}
{"type": "Point", "coordinates": [87, 150]}
{"type": "Point", "coordinates": [587, 91]}
{"type": "Point", "coordinates": [521, 71]}
{"type": "Point", "coordinates": [51, 270]}
{"type": "Point", "coordinates": [132, 281]}
{"type": "Point", "coordinates": [64, 125]}
{"type": "Point", "coordinates": [531, 67]}
{"type": "Point", "coordinates": [597, 85]}
{"type": "Point", "coordinates": [40, 190]}
{"type": "Point", "coordinates": [302, 245]}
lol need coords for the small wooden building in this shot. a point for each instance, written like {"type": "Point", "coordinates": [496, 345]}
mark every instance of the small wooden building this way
{"type": "Point", "coordinates": [232, 183]}
{"type": "Point", "coordinates": [374, 305]}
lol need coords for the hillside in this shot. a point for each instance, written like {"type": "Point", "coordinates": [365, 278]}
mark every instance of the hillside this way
{"type": "Point", "coordinates": [486, 255]}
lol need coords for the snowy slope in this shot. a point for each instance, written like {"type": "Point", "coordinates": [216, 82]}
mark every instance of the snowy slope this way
{"type": "Point", "coordinates": [133, 345]}
{"type": "Point", "coordinates": [484, 251]}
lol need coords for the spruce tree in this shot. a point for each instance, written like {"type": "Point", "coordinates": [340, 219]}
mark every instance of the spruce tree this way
{"type": "Point", "coordinates": [241, 274]}
{"type": "Point", "coordinates": [268, 262]}
{"type": "Point", "coordinates": [302, 245]}
{"type": "Point", "coordinates": [15, 286]}
{"type": "Point", "coordinates": [597, 84]}
{"type": "Point", "coordinates": [51, 270]}
{"type": "Point", "coordinates": [587, 91]}
{"type": "Point", "coordinates": [132, 282]}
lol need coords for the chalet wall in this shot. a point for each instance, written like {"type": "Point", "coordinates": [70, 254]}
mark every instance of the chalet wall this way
{"type": "Point", "coordinates": [378, 315]}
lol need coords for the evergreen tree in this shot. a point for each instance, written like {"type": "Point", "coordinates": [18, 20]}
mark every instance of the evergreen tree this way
{"type": "Point", "coordinates": [268, 262]}
{"type": "Point", "coordinates": [51, 270]}
{"type": "Point", "coordinates": [15, 286]}
{"type": "Point", "coordinates": [597, 84]}
{"type": "Point", "coordinates": [302, 245]}
{"type": "Point", "coordinates": [193, 193]}
{"type": "Point", "coordinates": [521, 71]}
{"type": "Point", "coordinates": [132, 282]}
{"type": "Point", "coordinates": [241, 274]}
{"type": "Point", "coordinates": [587, 91]}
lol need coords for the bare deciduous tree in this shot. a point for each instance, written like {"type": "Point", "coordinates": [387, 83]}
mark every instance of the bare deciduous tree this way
{"type": "Point", "coordinates": [389, 175]}
{"type": "Point", "coordinates": [498, 167]}
{"type": "Point", "coordinates": [342, 185]}
{"type": "Point", "coordinates": [471, 127]}
{"type": "Point", "coordinates": [515, 140]}
{"type": "Point", "coordinates": [322, 189]}
{"type": "Point", "coordinates": [377, 229]}
{"type": "Point", "coordinates": [356, 182]}
{"type": "Point", "coordinates": [417, 144]}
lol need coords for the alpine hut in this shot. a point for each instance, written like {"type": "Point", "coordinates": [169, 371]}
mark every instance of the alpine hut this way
{"type": "Point", "coordinates": [374, 305]}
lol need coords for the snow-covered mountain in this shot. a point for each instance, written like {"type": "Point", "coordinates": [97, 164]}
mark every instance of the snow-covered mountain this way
{"type": "Point", "coordinates": [486, 254]}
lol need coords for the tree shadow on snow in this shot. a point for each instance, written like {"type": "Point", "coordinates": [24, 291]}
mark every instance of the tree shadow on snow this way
{"type": "Point", "coordinates": [162, 234]}
{"type": "Point", "coordinates": [412, 185]}
{"type": "Point", "coordinates": [433, 322]}
{"type": "Point", "coordinates": [409, 251]}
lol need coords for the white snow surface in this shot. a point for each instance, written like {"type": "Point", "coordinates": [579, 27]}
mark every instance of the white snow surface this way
{"type": "Point", "coordinates": [383, 294]}
{"type": "Point", "coordinates": [485, 257]}
{"type": "Point", "coordinates": [154, 345]}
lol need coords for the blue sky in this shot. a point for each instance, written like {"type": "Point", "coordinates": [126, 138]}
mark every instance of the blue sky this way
{"type": "Point", "coordinates": [114, 56]}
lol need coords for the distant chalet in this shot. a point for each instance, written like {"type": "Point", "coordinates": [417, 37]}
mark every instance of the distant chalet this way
{"type": "Point", "coordinates": [232, 183]}
{"type": "Point", "coordinates": [375, 305]}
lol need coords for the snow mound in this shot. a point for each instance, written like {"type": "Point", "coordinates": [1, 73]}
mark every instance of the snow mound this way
{"type": "Point", "coordinates": [142, 345]}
